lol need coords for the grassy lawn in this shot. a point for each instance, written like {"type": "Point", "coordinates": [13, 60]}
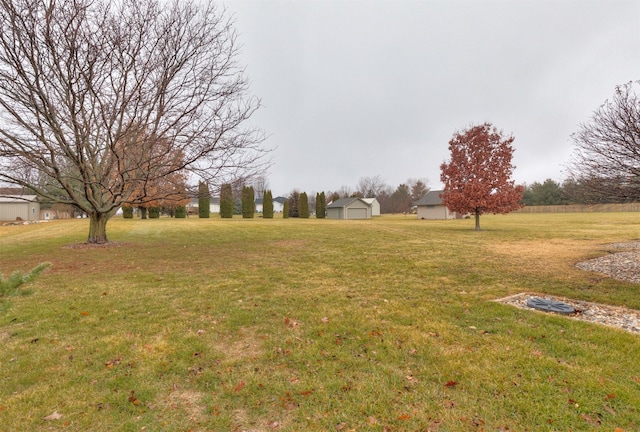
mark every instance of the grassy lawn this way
{"type": "Point", "coordinates": [292, 325]}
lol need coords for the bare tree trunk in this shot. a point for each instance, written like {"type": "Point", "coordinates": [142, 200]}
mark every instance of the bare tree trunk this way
{"type": "Point", "coordinates": [477, 219]}
{"type": "Point", "coordinates": [98, 228]}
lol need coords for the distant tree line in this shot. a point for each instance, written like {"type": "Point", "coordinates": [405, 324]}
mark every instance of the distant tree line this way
{"type": "Point", "coordinates": [240, 199]}
{"type": "Point", "coordinates": [571, 191]}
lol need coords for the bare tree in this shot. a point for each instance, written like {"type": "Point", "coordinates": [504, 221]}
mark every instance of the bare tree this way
{"type": "Point", "coordinates": [99, 99]}
{"type": "Point", "coordinates": [260, 184]}
{"type": "Point", "coordinates": [418, 187]}
{"type": "Point", "coordinates": [345, 191]}
{"type": "Point", "coordinates": [370, 187]}
{"type": "Point", "coordinates": [605, 166]}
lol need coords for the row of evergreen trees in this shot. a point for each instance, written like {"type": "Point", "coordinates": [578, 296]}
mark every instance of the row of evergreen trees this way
{"type": "Point", "coordinates": [296, 206]}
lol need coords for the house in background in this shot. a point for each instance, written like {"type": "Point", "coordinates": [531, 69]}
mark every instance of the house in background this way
{"type": "Point", "coordinates": [59, 211]}
{"type": "Point", "coordinates": [259, 205]}
{"type": "Point", "coordinates": [278, 204]}
{"type": "Point", "coordinates": [214, 205]}
{"type": "Point", "coordinates": [430, 207]}
{"type": "Point", "coordinates": [349, 208]}
{"type": "Point", "coordinates": [19, 207]}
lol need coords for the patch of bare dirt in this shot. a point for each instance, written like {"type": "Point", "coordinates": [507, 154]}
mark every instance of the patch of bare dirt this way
{"type": "Point", "coordinates": [107, 245]}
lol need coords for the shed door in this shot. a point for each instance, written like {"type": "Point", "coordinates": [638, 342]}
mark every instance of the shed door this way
{"type": "Point", "coordinates": [357, 213]}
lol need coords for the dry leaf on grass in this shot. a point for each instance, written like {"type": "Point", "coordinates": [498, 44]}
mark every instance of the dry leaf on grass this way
{"type": "Point", "coordinates": [53, 416]}
{"type": "Point", "coordinates": [239, 387]}
{"type": "Point", "coordinates": [134, 400]}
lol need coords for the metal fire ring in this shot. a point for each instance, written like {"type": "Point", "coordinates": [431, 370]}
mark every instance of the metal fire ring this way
{"type": "Point", "coordinates": [550, 305]}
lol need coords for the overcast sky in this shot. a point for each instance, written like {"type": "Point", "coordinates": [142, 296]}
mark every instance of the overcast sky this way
{"type": "Point", "coordinates": [354, 89]}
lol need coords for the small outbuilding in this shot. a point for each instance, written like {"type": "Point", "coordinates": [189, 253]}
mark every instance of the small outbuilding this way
{"type": "Point", "coordinates": [349, 208]}
{"type": "Point", "coordinates": [375, 206]}
{"type": "Point", "coordinates": [430, 207]}
{"type": "Point", "coordinates": [19, 207]}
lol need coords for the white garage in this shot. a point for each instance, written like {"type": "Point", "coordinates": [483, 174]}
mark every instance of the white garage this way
{"type": "Point", "coordinates": [349, 208]}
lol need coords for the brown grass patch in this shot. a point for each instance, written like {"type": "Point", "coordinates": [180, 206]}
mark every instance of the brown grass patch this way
{"type": "Point", "coordinates": [543, 256]}
{"type": "Point", "coordinates": [289, 243]}
{"type": "Point", "coordinates": [187, 401]}
{"type": "Point", "coordinates": [246, 344]}
{"type": "Point", "coordinates": [241, 417]}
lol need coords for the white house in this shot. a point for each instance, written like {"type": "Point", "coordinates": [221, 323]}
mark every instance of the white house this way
{"type": "Point", "coordinates": [214, 205]}
{"type": "Point", "coordinates": [430, 207]}
{"type": "Point", "coordinates": [278, 204]}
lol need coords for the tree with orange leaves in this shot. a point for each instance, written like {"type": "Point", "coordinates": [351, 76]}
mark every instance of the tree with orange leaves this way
{"type": "Point", "coordinates": [151, 172]}
{"type": "Point", "coordinates": [477, 179]}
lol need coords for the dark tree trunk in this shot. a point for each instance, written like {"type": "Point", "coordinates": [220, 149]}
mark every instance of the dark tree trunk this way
{"type": "Point", "coordinates": [143, 212]}
{"type": "Point", "coordinates": [98, 228]}
{"type": "Point", "coordinates": [477, 219]}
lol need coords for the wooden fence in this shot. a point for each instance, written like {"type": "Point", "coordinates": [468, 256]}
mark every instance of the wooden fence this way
{"type": "Point", "coordinates": [581, 208]}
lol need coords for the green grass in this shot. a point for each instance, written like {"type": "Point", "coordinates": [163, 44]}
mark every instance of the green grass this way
{"type": "Point", "coordinates": [290, 325]}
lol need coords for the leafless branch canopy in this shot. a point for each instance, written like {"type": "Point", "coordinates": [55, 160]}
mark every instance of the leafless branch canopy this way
{"type": "Point", "coordinates": [100, 99]}
{"type": "Point", "coordinates": [606, 161]}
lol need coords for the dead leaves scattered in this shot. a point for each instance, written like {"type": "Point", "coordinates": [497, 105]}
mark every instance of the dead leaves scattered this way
{"type": "Point", "coordinates": [289, 322]}
{"type": "Point", "coordinates": [113, 362]}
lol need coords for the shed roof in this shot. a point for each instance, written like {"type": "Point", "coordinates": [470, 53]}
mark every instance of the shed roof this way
{"type": "Point", "coordinates": [431, 198]}
{"type": "Point", "coordinates": [9, 191]}
{"type": "Point", "coordinates": [343, 202]}
{"type": "Point", "coordinates": [18, 198]}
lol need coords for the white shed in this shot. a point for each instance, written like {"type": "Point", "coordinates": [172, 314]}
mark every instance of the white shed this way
{"type": "Point", "coordinates": [19, 207]}
{"type": "Point", "coordinates": [349, 208]}
{"type": "Point", "coordinates": [375, 205]}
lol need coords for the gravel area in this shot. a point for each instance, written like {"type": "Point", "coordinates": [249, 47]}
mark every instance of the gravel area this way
{"type": "Point", "coordinates": [624, 266]}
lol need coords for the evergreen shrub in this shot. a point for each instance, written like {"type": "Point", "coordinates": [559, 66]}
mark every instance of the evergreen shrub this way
{"type": "Point", "coordinates": [127, 212]}
{"type": "Point", "coordinates": [180, 212]}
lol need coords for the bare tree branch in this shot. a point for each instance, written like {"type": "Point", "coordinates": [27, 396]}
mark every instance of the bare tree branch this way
{"type": "Point", "coordinates": [100, 101]}
{"type": "Point", "coordinates": [606, 161]}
